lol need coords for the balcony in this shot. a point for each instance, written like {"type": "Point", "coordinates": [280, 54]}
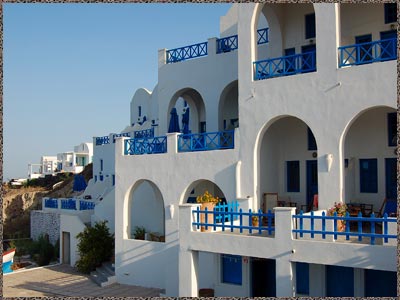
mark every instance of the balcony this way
{"type": "Point", "coordinates": [206, 141]}
{"type": "Point", "coordinates": [138, 146]}
{"type": "Point", "coordinates": [187, 52]}
{"type": "Point", "coordinates": [230, 43]}
{"type": "Point", "coordinates": [67, 204]}
{"type": "Point", "coordinates": [285, 65]}
{"type": "Point", "coordinates": [366, 53]}
{"type": "Point", "coordinates": [102, 140]}
{"type": "Point", "coordinates": [147, 133]}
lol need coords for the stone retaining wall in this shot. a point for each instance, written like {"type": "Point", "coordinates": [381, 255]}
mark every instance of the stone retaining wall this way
{"type": "Point", "coordinates": [44, 222]}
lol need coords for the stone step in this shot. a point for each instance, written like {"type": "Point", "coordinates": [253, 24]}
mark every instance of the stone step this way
{"type": "Point", "coordinates": [104, 275]}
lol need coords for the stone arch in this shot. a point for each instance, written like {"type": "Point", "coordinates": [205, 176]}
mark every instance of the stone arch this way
{"type": "Point", "coordinates": [146, 209]}
{"type": "Point", "coordinates": [228, 108]}
{"type": "Point", "coordinates": [191, 98]}
{"type": "Point", "coordinates": [283, 147]}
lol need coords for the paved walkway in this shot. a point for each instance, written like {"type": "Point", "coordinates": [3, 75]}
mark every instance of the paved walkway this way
{"type": "Point", "coordinates": [63, 280]}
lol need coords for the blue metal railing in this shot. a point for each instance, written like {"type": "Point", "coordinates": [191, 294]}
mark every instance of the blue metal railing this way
{"type": "Point", "coordinates": [102, 140]}
{"type": "Point", "coordinates": [51, 203]}
{"type": "Point", "coordinates": [227, 44]}
{"type": "Point", "coordinates": [86, 205]}
{"type": "Point", "coordinates": [265, 221]}
{"type": "Point", "coordinates": [125, 134]}
{"type": "Point", "coordinates": [262, 36]}
{"type": "Point", "coordinates": [187, 52]}
{"type": "Point", "coordinates": [146, 145]}
{"type": "Point", "coordinates": [227, 207]}
{"type": "Point", "coordinates": [68, 204]}
{"type": "Point", "coordinates": [206, 141]}
{"type": "Point", "coordinates": [371, 221]}
{"type": "Point", "coordinates": [365, 53]}
{"type": "Point", "coordinates": [147, 133]}
{"type": "Point", "coordinates": [285, 65]}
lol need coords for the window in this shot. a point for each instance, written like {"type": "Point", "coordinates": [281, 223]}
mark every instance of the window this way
{"type": "Point", "coordinates": [293, 176]}
{"type": "Point", "coordinates": [310, 26]}
{"type": "Point", "coordinates": [140, 111]}
{"type": "Point", "coordinates": [101, 177]}
{"type": "Point", "coordinates": [231, 266]}
{"type": "Point", "coordinates": [302, 278]}
{"type": "Point", "coordinates": [101, 165]}
{"type": "Point", "coordinates": [95, 178]}
{"type": "Point", "coordinates": [390, 10]}
{"type": "Point", "coordinates": [392, 129]}
{"type": "Point", "coordinates": [369, 175]}
{"type": "Point", "coordinates": [113, 179]}
{"type": "Point", "coordinates": [312, 144]}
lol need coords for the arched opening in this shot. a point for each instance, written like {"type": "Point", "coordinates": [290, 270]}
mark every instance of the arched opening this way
{"type": "Point", "coordinates": [191, 110]}
{"type": "Point", "coordinates": [199, 187]}
{"type": "Point", "coordinates": [146, 212]}
{"type": "Point", "coordinates": [291, 39]}
{"type": "Point", "coordinates": [370, 164]}
{"type": "Point", "coordinates": [367, 33]}
{"type": "Point", "coordinates": [288, 163]}
{"type": "Point", "coordinates": [228, 110]}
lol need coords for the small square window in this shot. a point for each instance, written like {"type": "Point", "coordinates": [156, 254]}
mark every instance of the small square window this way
{"type": "Point", "coordinates": [310, 26]}
{"type": "Point", "coordinates": [231, 266]}
{"type": "Point", "coordinates": [139, 111]}
{"type": "Point", "coordinates": [390, 10]}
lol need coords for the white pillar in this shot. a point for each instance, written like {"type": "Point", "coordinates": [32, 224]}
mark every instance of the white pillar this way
{"type": "Point", "coordinates": [172, 142]}
{"type": "Point", "coordinates": [188, 273]}
{"type": "Point", "coordinates": [162, 57]}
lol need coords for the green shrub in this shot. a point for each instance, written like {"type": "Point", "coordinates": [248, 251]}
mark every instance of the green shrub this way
{"type": "Point", "coordinates": [95, 246]}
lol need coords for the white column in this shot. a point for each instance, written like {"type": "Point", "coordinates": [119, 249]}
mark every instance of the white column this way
{"type": "Point", "coordinates": [162, 57]}
{"type": "Point", "coordinates": [172, 142]}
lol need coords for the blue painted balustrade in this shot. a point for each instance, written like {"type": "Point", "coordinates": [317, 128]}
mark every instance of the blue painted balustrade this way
{"type": "Point", "coordinates": [125, 134]}
{"type": "Point", "coordinates": [234, 218]}
{"type": "Point", "coordinates": [285, 65]}
{"type": "Point", "coordinates": [262, 36]}
{"type": "Point", "coordinates": [366, 53]}
{"type": "Point", "coordinates": [102, 140]}
{"type": "Point", "coordinates": [146, 133]}
{"type": "Point", "coordinates": [51, 203]}
{"type": "Point", "coordinates": [360, 222]}
{"type": "Point", "coordinates": [187, 52]}
{"type": "Point", "coordinates": [206, 141]}
{"type": "Point", "coordinates": [146, 145]}
{"type": "Point", "coordinates": [68, 204]}
{"type": "Point", "coordinates": [86, 205]}
{"type": "Point", "coordinates": [227, 44]}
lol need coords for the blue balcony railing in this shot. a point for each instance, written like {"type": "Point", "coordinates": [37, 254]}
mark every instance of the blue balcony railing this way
{"type": "Point", "coordinates": [285, 65]}
{"type": "Point", "coordinates": [102, 140]}
{"type": "Point", "coordinates": [139, 146]}
{"type": "Point", "coordinates": [86, 205]}
{"type": "Point", "coordinates": [239, 220]}
{"type": "Point", "coordinates": [187, 52]}
{"type": "Point", "coordinates": [125, 134]}
{"type": "Point", "coordinates": [206, 141]}
{"type": "Point", "coordinates": [227, 44]}
{"type": "Point", "coordinates": [262, 36]}
{"type": "Point", "coordinates": [147, 133]}
{"type": "Point", "coordinates": [68, 204]}
{"type": "Point", "coordinates": [51, 203]}
{"type": "Point", "coordinates": [366, 53]}
{"type": "Point", "coordinates": [361, 223]}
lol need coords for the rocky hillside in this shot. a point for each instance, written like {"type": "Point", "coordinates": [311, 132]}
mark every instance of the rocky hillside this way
{"type": "Point", "coordinates": [17, 203]}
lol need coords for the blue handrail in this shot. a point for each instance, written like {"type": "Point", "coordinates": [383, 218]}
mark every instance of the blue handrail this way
{"type": "Point", "coordinates": [146, 145]}
{"type": "Point", "coordinates": [227, 44]}
{"type": "Point", "coordinates": [125, 134]}
{"type": "Point", "coordinates": [285, 65]}
{"type": "Point", "coordinates": [206, 141]}
{"type": "Point", "coordinates": [262, 36]}
{"type": "Point", "coordinates": [146, 133]}
{"type": "Point", "coordinates": [102, 140]}
{"type": "Point", "coordinates": [187, 52]}
{"type": "Point", "coordinates": [365, 53]}
{"type": "Point", "coordinates": [265, 220]}
{"type": "Point", "coordinates": [86, 205]}
{"type": "Point", "coordinates": [372, 221]}
{"type": "Point", "coordinates": [68, 204]}
{"type": "Point", "coordinates": [51, 203]}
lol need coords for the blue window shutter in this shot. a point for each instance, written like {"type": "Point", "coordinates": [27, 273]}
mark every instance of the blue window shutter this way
{"type": "Point", "coordinates": [140, 111]}
{"type": "Point", "coordinates": [231, 269]}
{"type": "Point", "coordinates": [369, 175]}
{"type": "Point", "coordinates": [293, 176]}
{"type": "Point", "coordinates": [302, 278]}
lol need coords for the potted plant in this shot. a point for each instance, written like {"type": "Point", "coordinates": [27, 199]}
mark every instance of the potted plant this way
{"type": "Point", "coordinates": [139, 233]}
{"type": "Point", "coordinates": [340, 209]}
{"type": "Point", "coordinates": [254, 221]}
{"type": "Point", "coordinates": [207, 201]}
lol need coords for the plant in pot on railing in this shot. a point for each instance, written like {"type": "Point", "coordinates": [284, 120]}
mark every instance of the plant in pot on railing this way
{"type": "Point", "coordinates": [207, 201]}
{"type": "Point", "coordinates": [139, 233]}
{"type": "Point", "coordinates": [340, 209]}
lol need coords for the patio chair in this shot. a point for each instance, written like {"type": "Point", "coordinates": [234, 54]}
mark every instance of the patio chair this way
{"type": "Point", "coordinates": [389, 207]}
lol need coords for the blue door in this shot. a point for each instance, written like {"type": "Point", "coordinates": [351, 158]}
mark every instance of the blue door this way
{"type": "Point", "coordinates": [391, 178]}
{"type": "Point", "coordinates": [388, 48]}
{"type": "Point", "coordinates": [339, 281]}
{"type": "Point", "coordinates": [364, 51]}
{"type": "Point", "coordinates": [380, 283]}
{"type": "Point", "coordinates": [312, 181]}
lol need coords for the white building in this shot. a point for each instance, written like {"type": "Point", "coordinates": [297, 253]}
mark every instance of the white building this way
{"type": "Point", "coordinates": [312, 104]}
{"type": "Point", "coordinates": [75, 161]}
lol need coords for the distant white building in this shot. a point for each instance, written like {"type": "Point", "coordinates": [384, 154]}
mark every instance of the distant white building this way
{"type": "Point", "coordinates": [294, 102]}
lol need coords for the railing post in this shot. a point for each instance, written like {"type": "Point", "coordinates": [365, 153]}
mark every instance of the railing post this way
{"type": "Point", "coordinates": [172, 142]}
{"type": "Point", "coordinates": [212, 46]}
{"type": "Point", "coordinates": [162, 57]}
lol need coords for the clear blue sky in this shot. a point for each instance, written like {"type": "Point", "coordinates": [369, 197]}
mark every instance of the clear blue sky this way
{"type": "Point", "coordinates": [70, 70]}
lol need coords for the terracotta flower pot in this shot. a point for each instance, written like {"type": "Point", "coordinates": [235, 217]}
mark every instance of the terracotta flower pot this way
{"type": "Point", "coordinates": [210, 207]}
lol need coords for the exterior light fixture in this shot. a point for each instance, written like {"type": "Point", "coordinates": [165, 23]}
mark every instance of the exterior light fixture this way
{"type": "Point", "coordinates": [329, 160]}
